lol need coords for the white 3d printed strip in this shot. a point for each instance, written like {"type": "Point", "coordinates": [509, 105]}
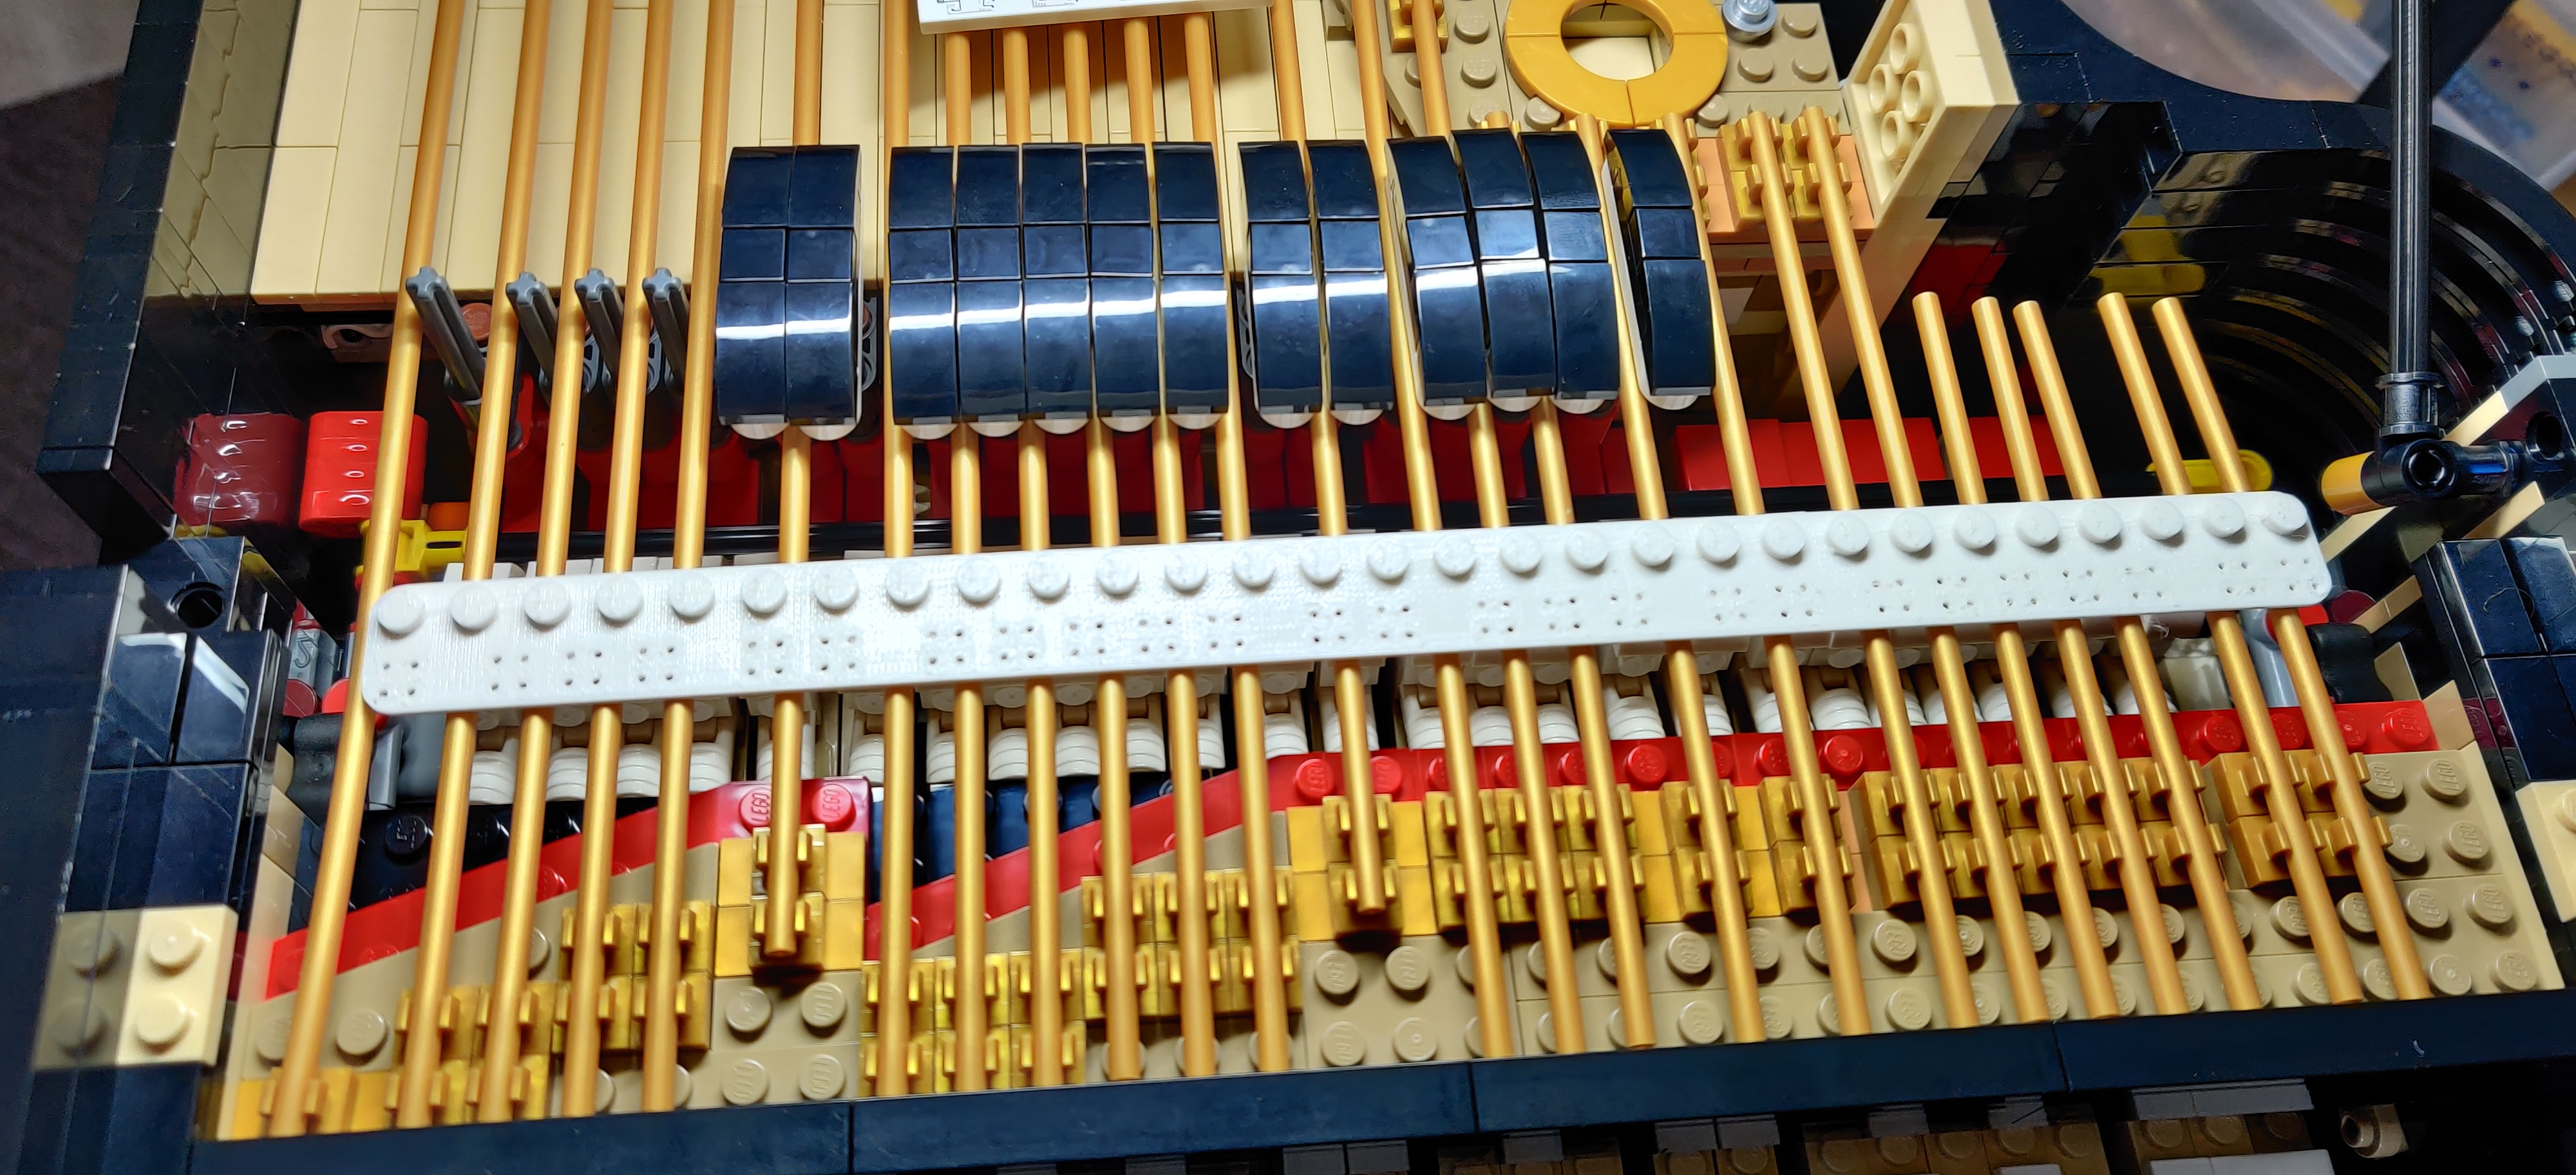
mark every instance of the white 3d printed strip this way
{"type": "Point", "coordinates": [1083, 613]}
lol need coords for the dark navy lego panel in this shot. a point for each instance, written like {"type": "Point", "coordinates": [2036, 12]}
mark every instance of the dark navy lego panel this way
{"type": "Point", "coordinates": [1288, 349]}
{"type": "Point", "coordinates": [228, 716]}
{"type": "Point", "coordinates": [1681, 345]}
{"type": "Point", "coordinates": [1126, 358]}
{"type": "Point", "coordinates": [1576, 236]}
{"type": "Point", "coordinates": [1051, 183]}
{"type": "Point", "coordinates": [1426, 177]}
{"type": "Point", "coordinates": [2529, 716]}
{"type": "Point", "coordinates": [1344, 188]}
{"type": "Point", "coordinates": [822, 367]}
{"type": "Point", "coordinates": [1184, 182]}
{"type": "Point", "coordinates": [1666, 233]}
{"type": "Point", "coordinates": [145, 678]}
{"type": "Point", "coordinates": [1520, 314]}
{"type": "Point", "coordinates": [1195, 354]}
{"type": "Point", "coordinates": [1116, 191]}
{"type": "Point", "coordinates": [1439, 240]}
{"type": "Point", "coordinates": [1054, 250]}
{"type": "Point", "coordinates": [1452, 334]}
{"type": "Point", "coordinates": [988, 186]}
{"type": "Point", "coordinates": [821, 255]}
{"type": "Point", "coordinates": [804, 1139]}
{"type": "Point", "coordinates": [921, 255]}
{"type": "Point", "coordinates": [1287, 247]}
{"type": "Point", "coordinates": [1274, 184]}
{"type": "Point", "coordinates": [1057, 324]}
{"type": "Point", "coordinates": [128, 1121]}
{"type": "Point", "coordinates": [826, 188]}
{"type": "Point", "coordinates": [991, 376]}
{"type": "Point", "coordinates": [2548, 587]}
{"type": "Point", "coordinates": [753, 254]}
{"type": "Point", "coordinates": [2492, 613]}
{"type": "Point", "coordinates": [758, 183]}
{"type": "Point", "coordinates": [1506, 234]}
{"type": "Point", "coordinates": [1587, 330]}
{"type": "Point", "coordinates": [1362, 355]}
{"type": "Point", "coordinates": [1122, 250]}
{"type": "Point", "coordinates": [1192, 247]}
{"type": "Point", "coordinates": [921, 350]}
{"type": "Point", "coordinates": [922, 192]}
{"type": "Point", "coordinates": [985, 254]}
{"type": "Point", "coordinates": [1560, 171]}
{"type": "Point", "coordinates": [1647, 170]}
{"type": "Point", "coordinates": [1496, 174]}
{"type": "Point", "coordinates": [1351, 246]}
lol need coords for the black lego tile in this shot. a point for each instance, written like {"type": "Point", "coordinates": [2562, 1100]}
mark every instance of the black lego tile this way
{"type": "Point", "coordinates": [2300, 1042]}
{"type": "Point", "coordinates": [758, 1140]}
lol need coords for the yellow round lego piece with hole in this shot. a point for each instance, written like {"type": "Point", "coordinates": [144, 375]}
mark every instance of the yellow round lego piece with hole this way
{"type": "Point", "coordinates": [1534, 44]}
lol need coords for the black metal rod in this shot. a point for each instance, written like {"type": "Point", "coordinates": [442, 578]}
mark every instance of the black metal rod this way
{"type": "Point", "coordinates": [2407, 409]}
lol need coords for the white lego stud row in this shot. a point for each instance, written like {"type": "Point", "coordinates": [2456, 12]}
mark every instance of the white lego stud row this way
{"type": "Point", "coordinates": [1084, 613]}
{"type": "Point", "coordinates": [958, 16]}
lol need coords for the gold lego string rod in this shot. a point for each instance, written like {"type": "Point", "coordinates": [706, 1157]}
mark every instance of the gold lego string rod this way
{"type": "Point", "coordinates": [1949, 955]}
{"type": "Point", "coordinates": [2370, 864]}
{"type": "Point", "coordinates": [1958, 697]}
{"type": "Point", "coordinates": [1715, 795]}
{"type": "Point", "coordinates": [2039, 767]}
{"type": "Point", "coordinates": [2136, 876]}
{"type": "Point", "coordinates": [429, 994]}
{"type": "Point", "coordinates": [1286, 74]}
{"type": "Point", "coordinates": [894, 813]}
{"type": "Point", "coordinates": [1815, 792]}
{"type": "Point", "coordinates": [667, 954]}
{"type": "Point", "coordinates": [968, 1012]}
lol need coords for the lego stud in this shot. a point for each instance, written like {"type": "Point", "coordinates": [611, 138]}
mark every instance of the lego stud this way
{"type": "Point", "coordinates": [2285, 519]}
{"type": "Point", "coordinates": [746, 1084]}
{"type": "Point", "coordinates": [546, 605]}
{"type": "Point", "coordinates": [1972, 937]}
{"type": "Point", "coordinates": [1717, 543]}
{"type": "Point", "coordinates": [1848, 536]}
{"type": "Point", "coordinates": [1687, 954]}
{"type": "Point", "coordinates": [1252, 570]}
{"type": "Point", "coordinates": [2037, 525]}
{"type": "Point", "coordinates": [77, 1031]}
{"type": "Point", "coordinates": [2223, 518]}
{"type": "Point", "coordinates": [397, 614]}
{"type": "Point", "coordinates": [174, 948]}
{"type": "Point", "coordinates": [1776, 1024]}
{"type": "Point", "coordinates": [2449, 975]}
{"type": "Point", "coordinates": [748, 1011]}
{"type": "Point", "coordinates": [472, 612]}
{"type": "Point", "coordinates": [1974, 528]}
{"type": "Point", "coordinates": [1764, 945]}
{"type": "Point", "coordinates": [1388, 561]}
{"type": "Point", "coordinates": [691, 598]}
{"type": "Point", "coordinates": [764, 593]}
{"type": "Point", "coordinates": [270, 1041]}
{"type": "Point", "coordinates": [619, 601]}
{"type": "Point", "coordinates": [978, 582]}
{"type": "Point", "coordinates": [1652, 547]}
{"type": "Point", "coordinates": [2098, 523]}
{"type": "Point", "coordinates": [1320, 564]}
{"type": "Point", "coordinates": [1342, 1046]}
{"type": "Point", "coordinates": [1893, 942]}
{"type": "Point", "coordinates": [1184, 574]}
{"type": "Point", "coordinates": [2310, 984]}
{"type": "Point", "coordinates": [1413, 1040]}
{"type": "Point", "coordinates": [1521, 556]}
{"type": "Point", "coordinates": [2443, 781]}
{"type": "Point", "coordinates": [2513, 971]}
{"type": "Point", "coordinates": [1585, 551]}
{"type": "Point", "coordinates": [1910, 533]}
{"type": "Point", "coordinates": [1048, 580]}
{"type": "Point", "coordinates": [907, 586]}
{"type": "Point", "coordinates": [1783, 539]}
{"type": "Point", "coordinates": [2488, 907]}
{"type": "Point", "coordinates": [1337, 974]}
{"type": "Point", "coordinates": [1408, 969]}
{"type": "Point", "coordinates": [2354, 911]}
{"type": "Point", "coordinates": [2160, 520]}
{"type": "Point", "coordinates": [2467, 843]}
{"type": "Point", "coordinates": [1699, 1022]}
{"type": "Point", "coordinates": [836, 588]}
{"type": "Point", "coordinates": [1454, 558]}
{"type": "Point", "coordinates": [160, 1022]}
{"type": "Point", "coordinates": [2289, 919]}
{"type": "Point", "coordinates": [2124, 998]}
{"type": "Point", "coordinates": [1908, 1011]}
{"type": "Point", "coordinates": [822, 1078]}
{"type": "Point", "coordinates": [1115, 576]}
{"type": "Point", "coordinates": [360, 1034]}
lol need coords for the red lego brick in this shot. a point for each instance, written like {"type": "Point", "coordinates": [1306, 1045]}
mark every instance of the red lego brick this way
{"type": "Point", "coordinates": [241, 472]}
{"type": "Point", "coordinates": [340, 471]}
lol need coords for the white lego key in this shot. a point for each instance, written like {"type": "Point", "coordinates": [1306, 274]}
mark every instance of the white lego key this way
{"type": "Point", "coordinates": [960, 16]}
{"type": "Point", "coordinates": [1079, 613]}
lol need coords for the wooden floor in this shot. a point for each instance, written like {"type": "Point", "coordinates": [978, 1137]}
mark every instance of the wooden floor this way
{"type": "Point", "coordinates": [50, 152]}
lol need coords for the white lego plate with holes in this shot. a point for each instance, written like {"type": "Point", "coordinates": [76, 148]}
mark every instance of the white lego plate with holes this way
{"type": "Point", "coordinates": [958, 16]}
{"type": "Point", "coordinates": [1082, 613]}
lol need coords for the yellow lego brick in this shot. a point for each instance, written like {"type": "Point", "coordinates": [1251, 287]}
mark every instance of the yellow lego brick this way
{"type": "Point", "coordinates": [1404, 828]}
{"type": "Point", "coordinates": [1413, 909]}
{"type": "Point", "coordinates": [1309, 848]}
{"type": "Point", "coordinates": [1658, 889]}
{"type": "Point", "coordinates": [735, 861]}
{"type": "Point", "coordinates": [317, 79]}
{"type": "Point", "coordinates": [364, 181]}
{"type": "Point", "coordinates": [1315, 906]}
{"type": "Point", "coordinates": [291, 223]}
{"type": "Point", "coordinates": [845, 856]}
{"type": "Point", "coordinates": [733, 942]}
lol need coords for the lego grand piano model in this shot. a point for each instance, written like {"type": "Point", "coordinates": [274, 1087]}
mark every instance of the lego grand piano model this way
{"type": "Point", "coordinates": [1474, 573]}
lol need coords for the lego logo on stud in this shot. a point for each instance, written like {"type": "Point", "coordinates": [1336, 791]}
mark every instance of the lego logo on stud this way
{"type": "Point", "coordinates": [1388, 561]}
{"type": "Point", "coordinates": [1910, 533]}
{"type": "Point", "coordinates": [1320, 564]}
{"type": "Point", "coordinates": [1048, 580]}
{"type": "Point", "coordinates": [471, 611]}
{"type": "Point", "coordinates": [1974, 528]}
{"type": "Point", "coordinates": [2160, 520]}
{"type": "Point", "coordinates": [2223, 518]}
{"type": "Point", "coordinates": [546, 605]}
{"type": "Point", "coordinates": [978, 582]}
{"type": "Point", "coordinates": [691, 598]}
{"type": "Point", "coordinates": [1848, 536]}
{"type": "Point", "coordinates": [619, 601]}
{"type": "Point", "coordinates": [1116, 576]}
{"type": "Point", "coordinates": [2036, 524]}
{"type": "Point", "coordinates": [397, 613]}
{"type": "Point", "coordinates": [1782, 539]}
{"type": "Point", "coordinates": [1520, 555]}
{"type": "Point", "coordinates": [1184, 574]}
{"type": "Point", "coordinates": [1252, 570]}
{"type": "Point", "coordinates": [907, 587]}
{"type": "Point", "coordinates": [1718, 543]}
{"type": "Point", "coordinates": [2098, 523]}
{"type": "Point", "coordinates": [1653, 548]}
{"type": "Point", "coordinates": [836, 588]}
{"type": "Point", "coordinates": [1454, 558]}
{"type": "Point", "coordinates": [765, 593]}
{"type": "Point", "coordinates": [1586, 552]}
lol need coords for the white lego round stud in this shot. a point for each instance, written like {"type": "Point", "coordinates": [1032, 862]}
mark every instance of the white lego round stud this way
{"type": "Point", "coordinates": [1252, 570]}
{"type": "Point", "coordinates": [2354, 911]}
{"type": "Point", "coordinates": [2488, 907]}
{"type": "Point", "coordinates": [1699, 1022]}
{"type": "Point", "coordinates": [2160, 520]}
{"type": "Point", "coordinates": [1653, 547]}
{"type": "Point", "coordinates": [2036, 524]}
{"type": "Point", "coordinates": [1337, 974]}
{"type": "Point", "coordinates": [1974, 528]}
{"type": "Point", "coordinates": [160, 1023]}
{"type": "Point", "coordinates": [174, 948]}
{"type": "Point", "coordinates": [397, 614]}
{"type": "Point", "coordinates": [546, 605]}
{"type": "Point", "coordinates": [2513, 971]}
{"type": "Point", "coordinates": [907, 586]}
{"type": "Point", "coordinates": [2424, 908]}
{"type": "Point", "coordinates": [1893, 942]}
{"type": "Point", "coordinates": [822, 1078]}
{"type": "Point", "coordinates": [1408, 969]}
{"type": "Point", "coordinates": [1848, 536]}
{"type": "Point", "coordinates": [1048, 580]}
{"type": "Point", "coordinates": [1184, 574]}
{"type": "Point", "coordinates": [836, 588]}
{"type": "Point", "coordinates": [765, 592]}
{"type": "Point", "coordinates": [1972, 937]}
{"type": "Point", "coordinates": [1454, 558]}
{"type": "Point", "coordinates": [1413, 1040]}
{"type": "Point", "coordinates": [2285, 519]}
{"type": "Point", "coordinates": [1586, 551]}
{"type": "Point", "coordinates": [2098, 523]}
{"type": "Point", "coordinates": [2449, 975]}
{"type": "Point", "coordinates": [1989, 1008]}
{"type": "Point", "coordinates": [1521, 556]}
{"type": "Point", "coordinates": [1320, 564]}
{"type": "Point", "coordinates": [748, 1011]}
{"type": "Point", "coordinates": [747, 1083]}
{"type": "Point", "coordinates": [1910, 533]}
{"type": "Point", "coordinates": [1718, 542]}
{"type": "Point", "coordinates": [822, 1006]}
{"type": "Point", "coordinates": [360, 1034]}
{"type": "Point", "coordinates": [1343, 1046]}
{"type": "Point", "coordinates": [1687, 953]}
{"type": "Point", "coordinates": [2223, 517]}
{"type": "Point", "coordinates": [619, 601]}
{"type": "Point", "coordinates": [1782, 539]}
{"type": "Point", "coordinates": [1388, 561]}
{"type": "Point", "coordinates": [691, 598]}
{"type": "Point", "coordinates": [1776, 1024]}
{"type": "Point", "coordinates": [978, 581]}
{"type": "Point", "coordinates": [472, 611]}
{"type": "Point", "coordinates": [1908, 1011]}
